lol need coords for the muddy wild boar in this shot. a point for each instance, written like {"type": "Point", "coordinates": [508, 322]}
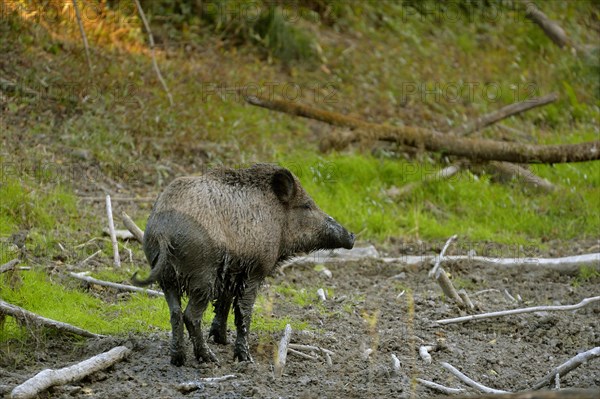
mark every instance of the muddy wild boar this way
{"type": "Point", "coordinates": [217, 236]}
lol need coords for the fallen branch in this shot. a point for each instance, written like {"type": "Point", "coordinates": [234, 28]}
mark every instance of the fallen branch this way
{"type": "Point", "coordinates": [469, 381]}
{"type": "Point", "coordinates": [301, 354]}
{"type": "Point", "coordinates": [310, 347]}
{"type": "Point", "coordinates": [199, 383]}
{"type": "Point", "coordinates": [121, 287]}
{"type": "Point", "coordinates": [83, 36]}
{"type": "Point", "coordinates": [26, 316]}
{"type": "Point", "coordinates": [395, 364]}
{"type": "Point", "coordinates": [568, 366]}
{"type": "Point", "coordinates": [441, 257]}
{"type": "Point", "coordinates": [448, 288]}
{"type": "Point", "coordinates": [282, 352]}
{"type": "Point", "coordinates": [86, 260]}
{"type": "Point", "coordinates": [424, 353]}
{"type": "Point", "coordinates": [568, 264]}
{"type": "Point", "coordinates": [132, 227]}
{"type": "Point", "coordinates": [440, 388]}
{"type": "Point", "coordinates": [9, 265]}
{"type": "Point", "coordinates": [533, 309]}
{"type": "Point", "coordinates": [48, 378]}
{"type": "Point", "coordinates": [113, 236]}
{"type": "Point", "coordinates": [151, 42]}
{"type": "Point", "coordinates": [120, 234]}
{"type": "Point", "coordinates": [510, 110]}
{"type": "Point", "coordinates": [507, 171]}
{"type": "Point", "coordinates": [443, 174]}
{"type": "Point", "coordinates": [466, 300]}
{"type": "Point", "coordinates": [550, 28]}
{"type": "Point", "coordinates": [430, 140]}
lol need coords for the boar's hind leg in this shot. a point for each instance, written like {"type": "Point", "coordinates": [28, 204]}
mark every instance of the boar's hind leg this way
{"type": "Point", "coordinates": [177, 347]}
{"type": "Point", "coordinates": [243, 305]}
{"type": "Point", "coordinates": [193, 321]}
{"type": "Point", "coordinates": [218, 329]}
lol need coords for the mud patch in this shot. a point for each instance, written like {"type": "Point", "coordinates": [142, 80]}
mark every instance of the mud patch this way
{"type": "Point", "coordinates": [388, 308]}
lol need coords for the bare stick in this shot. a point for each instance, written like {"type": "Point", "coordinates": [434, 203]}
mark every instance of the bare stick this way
{"type": "Point", "coordinates": [568, 366]}
{"type": "Point", "coordinates": [321, 294]}
{"type": "Point", "coordinates": [282, 352]}
{"type": "Point", "coordinates": [503, 113]}
{"type": "Point", "coordinates": [510, 170]}
{"type": "Point", "coordinates": [86, 260]}
{"type": "Point", "coordinates": [151, 41]}
{"type": "Point", "coordinates": [466, 300]}
{"type": "Point", "coordinates": [568, 264]}
{"type": "Point", "coordinates": [131, 226]}
{"type": "Point", "coordinates": [550, 28]}
{"type": "Point", "coordinates": [469, 381]}
{"type": "Point", "coordinates": [29, 317]}
{"type": "Point", "coordinates": [301, 354]}
{"type": "Point", "coordinates": [481, 316]}
{"type": "Point", "coordinates": [310, 347]}
{"type": "Point", "coordinates": [83, 36]}
{"type": "Point", "coordinates": [9, 265]}
{"type": "Point", "coordinates": [122, 287]}
{"type": "Point", "coordinates": [199, 383]}
{"type": "Point", "coordinates": [440, 388]}
{"type": "Point", "coordinates": [48, 378]}
{"type": "Point", "coordinates": [444, 281]}
{"type": "Point", "coordinates": [441, 257]}
{"type": "Point", "coordinates": [113, 236]}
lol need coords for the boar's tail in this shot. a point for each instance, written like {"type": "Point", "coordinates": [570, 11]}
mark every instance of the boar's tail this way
{"type": "Point", "coordinates": [157, 267]}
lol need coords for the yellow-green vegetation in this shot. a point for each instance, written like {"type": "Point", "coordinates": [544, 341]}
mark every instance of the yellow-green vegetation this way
{"type": "Point", "coordinates": [68, 132]}
{"type": "Point", "coordinates": [586, 274]}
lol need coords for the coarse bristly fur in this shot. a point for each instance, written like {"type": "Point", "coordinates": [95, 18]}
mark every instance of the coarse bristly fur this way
{"type": "Point", "coordinates": [217, 236]}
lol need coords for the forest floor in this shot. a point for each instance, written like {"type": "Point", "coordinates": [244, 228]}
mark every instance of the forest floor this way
{"type": "Point", "coordinates": [390, 308]}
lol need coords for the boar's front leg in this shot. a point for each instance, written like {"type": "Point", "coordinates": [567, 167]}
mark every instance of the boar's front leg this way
{"type": "Point", "coordinates": [218, 328]}
{"type": "Point", "coordinates": [243, 305]}
{"type": "Point", "coordinates": [193, 321]}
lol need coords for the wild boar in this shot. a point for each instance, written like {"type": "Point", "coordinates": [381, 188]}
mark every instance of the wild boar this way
{"type": "Point", "coordinates": [216, 237]}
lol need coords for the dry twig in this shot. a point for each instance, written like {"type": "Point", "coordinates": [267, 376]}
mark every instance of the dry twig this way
{"type": "Point", "coordinates": [48, 378]}
{"type": "Point", "coordinates": [568, 366]}
{"type": "Point", "coordinates": [469, 381]}
{"type": "Point", "coordinates": [282, 352]}
{"type": "Point", "coordinates": [132, 227]}
{"type": "Point", "coordinates": [533, 309]}
{"type": "Point", "coordinates": [26, 316]}
{"type": "Point", "coordinates": [113, 236]}
{"type": "Point", "coordinates": [438, 262]}
{"type": "Point", "coordinates": [121, 287]}
{"type": "Point", "coordinates": [440, 388]}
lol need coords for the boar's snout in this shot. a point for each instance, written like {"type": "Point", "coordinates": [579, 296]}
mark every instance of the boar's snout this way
{"type": "Point", "coordinates": [338, 236]}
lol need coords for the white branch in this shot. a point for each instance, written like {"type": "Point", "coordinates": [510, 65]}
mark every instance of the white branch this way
{"type": "Point", "coordinates": [395, 363]}
{"type": "Point", "coordinates": [111, 228]}
{"type": "Point", "coordinates": [199, 383]}
{"type": "Point", "coordinates": [122, 287]}
{"type": "Point", "coordinates": [29, 317]}
{"type": "Point", "coordinates": [47, 378]}
{"type": "Point", "coordinates": [301, 354]}
{"type": "Point", "coordinates": [441, 257]}
{"type": "Point", "coordinates": [567, 366]}
{"type": "Point", "coordinates": [469, 381]}
{"type": "Point", "coordinates": [132, 227]}
{"type": "Point", "coordinates": [440, 388]}
{"type": "Point", "coordinates": [282, 352]}
{"type": "Point", "coordinates": [581, 304]}
{"type": "Point", "coordinates": [311, 347]}
{"type": "Point", "coordinates": [424, 353]}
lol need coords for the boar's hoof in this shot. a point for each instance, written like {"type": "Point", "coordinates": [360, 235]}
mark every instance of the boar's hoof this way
{"type": "Point", "coordinates": [205, 355]}
{"type": "Point", "coordinates": [219, 337]}
{"type": "Point", "coordinates": [242, 354]}
{"type": "Point", "coordinates": [177, 359]}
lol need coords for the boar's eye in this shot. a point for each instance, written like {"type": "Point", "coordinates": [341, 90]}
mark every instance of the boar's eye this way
{"type": "Point", "coordinates": [308, 206]}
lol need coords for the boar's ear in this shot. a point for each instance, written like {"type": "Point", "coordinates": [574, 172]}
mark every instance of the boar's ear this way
{"type": "Point", "coordinates": [283, 185]}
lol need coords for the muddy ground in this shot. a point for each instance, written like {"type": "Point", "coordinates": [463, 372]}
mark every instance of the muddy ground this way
{"type": "Point", "coordinates": [368, 310]}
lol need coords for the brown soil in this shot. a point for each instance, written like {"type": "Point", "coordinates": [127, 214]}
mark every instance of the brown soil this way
{"type": "Point", "coordinates": [367, 311]}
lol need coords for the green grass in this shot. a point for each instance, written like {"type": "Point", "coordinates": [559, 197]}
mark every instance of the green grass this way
{"type": "Point", "coordinates": [353, 189]}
